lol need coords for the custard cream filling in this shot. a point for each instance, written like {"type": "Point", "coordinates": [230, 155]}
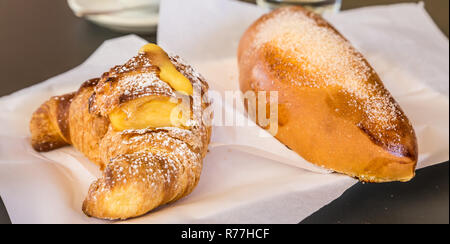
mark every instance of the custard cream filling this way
{"type": "Point", "coordinates": [154, 111]}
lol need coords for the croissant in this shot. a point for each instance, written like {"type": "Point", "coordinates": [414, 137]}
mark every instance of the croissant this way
{"type": "Point", "coordinates": [143, 123]}
{"type": "Point", "coordinates": [333, 109]}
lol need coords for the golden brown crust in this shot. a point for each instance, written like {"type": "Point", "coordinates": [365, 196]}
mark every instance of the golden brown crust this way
{"type": "Point", "coordinates": [142, 169]}
{"type": "Point", "coordinates": [48, 137]}
{"type": "Point", "coordinates": [333, 108]}
{"type": "Point", "coordinates": [87, 128]}
{"type": "Point", "coordinates": [50, 123]}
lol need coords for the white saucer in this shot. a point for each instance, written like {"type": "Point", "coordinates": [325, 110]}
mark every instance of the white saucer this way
{"type": "Point", "coordinates": [141, 21]}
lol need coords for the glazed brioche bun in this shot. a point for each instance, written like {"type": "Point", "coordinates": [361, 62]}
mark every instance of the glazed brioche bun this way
{"type": "Point", "coordinates": [333, 109]}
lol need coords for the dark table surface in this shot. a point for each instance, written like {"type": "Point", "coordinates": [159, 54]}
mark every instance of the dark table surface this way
{"type": "Point", "coordinates": [40, 39]}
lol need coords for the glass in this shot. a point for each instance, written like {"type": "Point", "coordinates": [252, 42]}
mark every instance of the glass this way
{"type": "Point", "coordinates": [318, 6]}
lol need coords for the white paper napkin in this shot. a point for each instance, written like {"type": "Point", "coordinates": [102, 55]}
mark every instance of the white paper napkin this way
{"type": "Point", "coordinates": [246, 179]}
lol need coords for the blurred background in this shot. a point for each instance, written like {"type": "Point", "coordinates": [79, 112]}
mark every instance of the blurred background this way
{"type": "Point", "coordinates": [41, 39]}
{"type": "Point", "coordinates": [50, 30]}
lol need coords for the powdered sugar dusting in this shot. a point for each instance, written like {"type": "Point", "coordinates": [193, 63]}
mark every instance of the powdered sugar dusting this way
{"type": "Point", "coordinates": [306, 52]}
{"type": "Point", "coordinates": [142, 84]}
{"type": "Point", "coordinates": [137, 62]}
{"type": "Point", "coordinates": [154, 158]}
